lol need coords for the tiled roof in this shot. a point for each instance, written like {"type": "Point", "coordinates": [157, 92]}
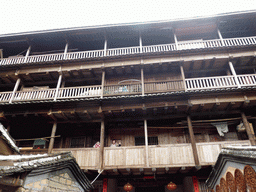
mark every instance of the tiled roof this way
{"type": "Point", "coordinates": [42, 163]}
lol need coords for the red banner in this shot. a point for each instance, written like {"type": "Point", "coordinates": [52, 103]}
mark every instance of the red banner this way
{"type": "Point", "coordinates": [195, 183]}
{"type": "Point", "coordinates": [105, 185]}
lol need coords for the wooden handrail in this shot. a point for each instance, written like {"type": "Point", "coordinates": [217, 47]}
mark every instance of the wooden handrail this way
{"type": "Point", "coordinates": [215, 43]}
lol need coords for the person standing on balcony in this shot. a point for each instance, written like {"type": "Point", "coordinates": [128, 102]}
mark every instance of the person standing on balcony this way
{"type": "Point", "coordinates": [113, 143]}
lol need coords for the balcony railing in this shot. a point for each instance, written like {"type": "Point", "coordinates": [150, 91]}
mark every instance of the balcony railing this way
{"type": "Point", "coordinates": [174, 155]}
{"type": "Point", "coordinates": [220, 82]}
{"type": "Point", "coordinates": [192, 84]}
{"type": "Point", "coordinates": [243, 41]}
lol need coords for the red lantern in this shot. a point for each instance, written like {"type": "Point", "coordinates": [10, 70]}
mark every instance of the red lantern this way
{"type": "Point", "coordinates": [128, 187]}
{"type": "Point", "coordinates": [171, 186]}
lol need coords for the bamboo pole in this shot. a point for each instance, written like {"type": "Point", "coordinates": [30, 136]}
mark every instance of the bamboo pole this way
{"type": "Point", "coordinates": [54, 127]}
{"type": "Point", "coordinates": [102, 83]}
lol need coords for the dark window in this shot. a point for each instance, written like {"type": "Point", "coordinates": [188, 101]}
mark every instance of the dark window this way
{"type": "Point", "coordinates": [77, 142]}
{"type": "Point", "coordinates": [141, 141]}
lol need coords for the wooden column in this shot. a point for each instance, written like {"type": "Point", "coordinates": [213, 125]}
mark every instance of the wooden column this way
{"type": "Point", "coordinates": [234, 73]}
{"type": "Point", "coordinates": [193, 141]}
{"type": "Point", "coordinates": [105, 47]}
{"type": "Point", "coordinates": [146, 142]}
{"type": "Point", "coordinates": [1, 54]}
{"type": "Point", "coordinates": [248, 129]}
{"type": "Point", "coordinates": [176, 41]}
{"type": "Point", "coordinates": [220, 36]}
{"type": "Point", "coordinates": [183, 77]}
{"type": "Point", "coordinates": [102, 138]}
{"type": "Point", "coordinates": [27, 54]}
{"type": "Point", "coordinates": [66, 51]}
{"type": "Point", "coordinates": [15, 89]}
{"type": "Point", "coordinates": [54, 127]}
{"type": "Point", "coordinates": [140, 39]}
{"type": "Point", "coordinates": [142, 81]}
{"type": "Point", "coordinates": [102, 83]}
{"type": "Point", "coordinates": [58, 87]}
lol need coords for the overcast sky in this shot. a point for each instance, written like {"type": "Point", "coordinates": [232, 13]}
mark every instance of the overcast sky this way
{"type": "Point", "coordinates": [33, 15]}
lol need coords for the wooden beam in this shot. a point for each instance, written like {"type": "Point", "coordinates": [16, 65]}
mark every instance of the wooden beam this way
{"type": "Point", "coordinates": [54, 127]}
{"type": "Point", "coordinates": [183, 76]}
{"type": "Point", "coordinates": [193, 141]}
{"type": "Point", "coordinates": [102, 139]}
{"type": "Point", "coordinates": [248, 130]}
{"type": "Point", "coordinates": [234, 73]}
{"type": "Point", "coordinates": [88, 114]}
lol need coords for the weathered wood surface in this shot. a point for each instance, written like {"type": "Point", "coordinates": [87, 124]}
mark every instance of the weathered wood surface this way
{"type": "Point", "coordinates": [87, 158]}
{"type": "Point", "coordinates": [208, 152]}
{"type": "Point", "coordinates": [124, 157]}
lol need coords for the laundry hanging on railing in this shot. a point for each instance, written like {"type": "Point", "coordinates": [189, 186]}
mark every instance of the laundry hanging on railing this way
{"type": "Point", "coordinates": [222, 127]}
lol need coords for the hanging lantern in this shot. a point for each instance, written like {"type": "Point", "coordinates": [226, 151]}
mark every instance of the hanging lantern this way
{"type": "Point", "coordinates": [128, 187]}
{"type": "Point", "coordinates": [171, 186]}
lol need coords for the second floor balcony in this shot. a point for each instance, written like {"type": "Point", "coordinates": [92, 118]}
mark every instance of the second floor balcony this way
{"type": "Point", "coordinates": [131, 88]}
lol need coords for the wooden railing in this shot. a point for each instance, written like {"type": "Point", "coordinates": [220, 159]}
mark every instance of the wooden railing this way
{"type": "Point", "coordinates": [247, 80]}
{"type": "Point", "coordinates": [122, 89]}
{"type": "Point", "coordinates": [210, 82]}
{"type": "Point", "coordinates": [208, 152]}
{"type": "Point", "coordinates": [87, 158]}
{"type": "Point", "coordinates": [175, 155]}
{"type": "Point", "coordinates": [202, 44]}
{"type": "Point", "coordinates": [130, 89]}
{"type": "Point", "coordinates": [75, 92]}
{"type": "Point", "coordinates": [164, 86]}
{"type": "Point", "coordinates": [220, 82]}
{"type": "Point", "coordinates": [34, 95]}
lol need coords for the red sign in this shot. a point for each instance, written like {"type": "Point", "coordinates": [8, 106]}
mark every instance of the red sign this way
{"type": "Point", "coordinates": [105, 185]}
{"type": "Point", "coordinates": [195, 183]}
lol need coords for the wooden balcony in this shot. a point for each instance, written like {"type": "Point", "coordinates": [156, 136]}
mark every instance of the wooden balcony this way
{"type": "Point", "coordinates": [192, 84]}
{"type": "Point", "coordinates": [172, 155]}
{"type": "Point", "coordinates": [180, 46]}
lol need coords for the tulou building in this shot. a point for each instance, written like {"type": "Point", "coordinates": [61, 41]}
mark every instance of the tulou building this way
{"type": "Point", "coordinates": [140, 103]}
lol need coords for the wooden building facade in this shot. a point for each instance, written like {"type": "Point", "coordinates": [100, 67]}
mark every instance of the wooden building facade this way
{"type": "Point", "coordinates": [171, 94]}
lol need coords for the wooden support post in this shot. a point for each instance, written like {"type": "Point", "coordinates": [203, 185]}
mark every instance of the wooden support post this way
{"type": "Point", "coordinates": [58, 87]}
{"type": "Point", "coordinates": [66, 51]}
{"type": "Point", "coordinates": [140, 39]}
{"type": "Point", "coordinates": [102, 83]}
{"type": "Point", "coordinates": [15, 89]}
{"type": "Point", "coordinates": [248, 130]}
{"type": "Point", "coordinates": [234, 73]}
{"type": "Point", "coordinates": [146, 142]}
{"type": "Point", "coordinates": [193, 141]}
{"type": "Point", "coordinates": [54, 127]}
{"type": "Point", "coordinates": [220, 36]}
{"type": "Point", "coordinates": [176, 41]}
{"type": "Point", "coordinates": [27, 54]}
{"type": "Point", "coordinates": [1, 54]}
{"type": "Point", "coordinates": [142, 82]}
{"type": "Point", "coordinates": [102, 138]}
{"type": "Point", "coordinates": [105, 47]}
{"type": "Point", "coordinates": [183, 77]}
